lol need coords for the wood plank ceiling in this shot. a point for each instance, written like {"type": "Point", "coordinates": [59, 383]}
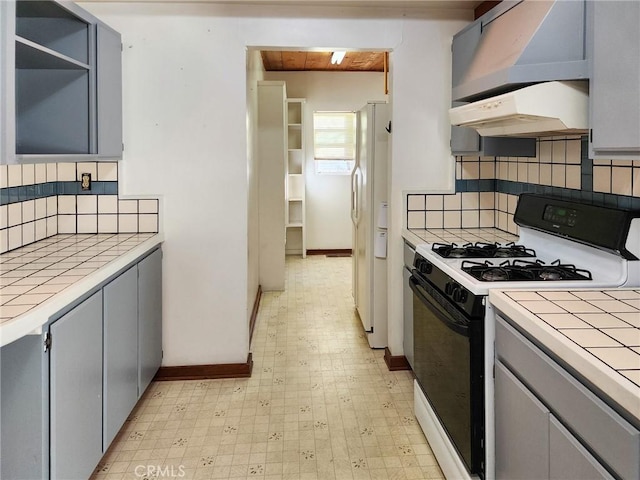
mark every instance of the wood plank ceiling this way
{"type": "Point", "coordinates": [274, 60]}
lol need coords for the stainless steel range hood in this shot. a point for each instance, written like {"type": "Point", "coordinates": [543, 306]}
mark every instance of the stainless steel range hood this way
{"type": "Point", "coordinates": [543, 109]}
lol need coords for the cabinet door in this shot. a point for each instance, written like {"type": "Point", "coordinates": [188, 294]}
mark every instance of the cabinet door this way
{"type": "Point", "coordinates": [22, 410]}
{"type": "Point", "coordinates": [120, 351]}
{"type": "Point", "coordinates": [149, 319]}
{"type": "Point", "coordinates": [464, 141]}
{"type": "Point", "coordinates": [569, 459]}
{"type": "Point", "coordinates": [522, 430]}
{"type": "Point", "coordinates": [615, 79]}
{"type": "Point", "coordinates": [109, 91]}
{"type": "Point", "coordinates": [76, 390]}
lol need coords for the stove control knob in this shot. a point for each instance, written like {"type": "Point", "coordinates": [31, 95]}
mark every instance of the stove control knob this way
{"type": "Point", "coordinates": [450, 288]}
{"type": "Point", "coordinates": [425, 267]}
{"type": "Point", "coordinates": [460, 295]}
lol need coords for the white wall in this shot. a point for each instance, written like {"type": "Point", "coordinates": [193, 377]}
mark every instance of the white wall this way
{"type": "Point", "coordinates": [185, 123]}
{"type": "Point", "coordinates": [255, 73]}
{"type": "Point", "coordinates": [328, 202]}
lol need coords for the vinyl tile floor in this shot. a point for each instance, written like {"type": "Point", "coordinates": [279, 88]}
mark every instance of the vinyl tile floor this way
{"type": "Point", "coordinates": [320, 404]}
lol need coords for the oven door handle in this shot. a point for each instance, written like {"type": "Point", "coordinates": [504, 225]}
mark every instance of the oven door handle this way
{"type": "Point", "coordinates": [453, 319]}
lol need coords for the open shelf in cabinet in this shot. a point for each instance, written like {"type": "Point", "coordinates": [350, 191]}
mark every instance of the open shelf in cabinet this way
{"type": "Point", "coordinates": [294, 113]}
{"type": "Point", "coordinates": [51, 26]}
{"type": "Point", "coordinates": [296, 213]}
{"type": "Point", "coordinates": [294, 159]}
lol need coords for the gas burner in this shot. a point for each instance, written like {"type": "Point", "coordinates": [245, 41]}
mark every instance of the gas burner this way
{"type": "Point", "coordinates": [522, 270]}
{"type": "Point", "coordinates": [495, 275]}
{"type": "Point", "coordinates": [482, 250]}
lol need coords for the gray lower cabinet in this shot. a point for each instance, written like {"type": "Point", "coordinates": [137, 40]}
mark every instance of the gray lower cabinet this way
{"type": "Point", "coordinates": [75, 369]}
{"type": "Point", "coordinates": [149, 319]}
{"type": "Point", "coordinates": [120, 344]}
{"type": "Point", "coordinates": [23, 423]}
{"type": "Point", "coordinates": [549, 425]}
{"type": "Point", "coordinates": [65, 393]}
{"type": "Point", "coordinates": [522, 429]}
{"type": "Point", "coordinates": [569, 459]}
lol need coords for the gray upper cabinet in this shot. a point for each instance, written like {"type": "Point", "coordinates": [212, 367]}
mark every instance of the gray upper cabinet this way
{"type": "Point", "coordinates": [615, 80]}
{"type": "Point", "coordinates": [109, 91]}
{"type": "Point", "coordinates": [61, 84]}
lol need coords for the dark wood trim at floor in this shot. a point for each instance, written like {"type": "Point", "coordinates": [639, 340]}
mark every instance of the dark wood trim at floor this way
{"type": "Point", "coordinates": [254, 313]}
{"type": "Point", "coordinates": [206, 372]}
{"type": "Point", "coordinates": [336, 252]}
{"type": "Point", "coordinates": [395, 362]}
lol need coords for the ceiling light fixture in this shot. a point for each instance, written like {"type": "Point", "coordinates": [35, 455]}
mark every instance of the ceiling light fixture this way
{"type": "Point", "coordinates": [337, 57]}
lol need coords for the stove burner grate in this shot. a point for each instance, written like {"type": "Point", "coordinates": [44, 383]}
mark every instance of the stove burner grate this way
{"type": "Point", "coordinates": [482, 250]}
{"type": "Point", "coordinates": [523, 270]}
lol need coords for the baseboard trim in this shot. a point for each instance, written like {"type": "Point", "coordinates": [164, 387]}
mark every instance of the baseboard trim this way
{"type": "Point", "coordinates": [338, 252]}
{"type": "Point", "coordinates": [254, 313]}
{"type": "Point", "coordinates": [395, 362]}
{"type": "Point", "coordinates": [205, 372]}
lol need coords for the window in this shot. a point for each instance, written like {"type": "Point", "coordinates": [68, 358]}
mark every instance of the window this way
{"type": "Point", "coordinates": [334, 142]}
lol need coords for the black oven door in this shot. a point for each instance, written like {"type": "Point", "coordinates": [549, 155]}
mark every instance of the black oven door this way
{"type": "Point", "coordinates": [448, 358]}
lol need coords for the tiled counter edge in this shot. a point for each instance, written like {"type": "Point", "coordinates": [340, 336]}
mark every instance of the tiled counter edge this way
{"type": "Point", "coordinates": [31, 322]}
{"type": "Point", "coordinates": [618, 388]}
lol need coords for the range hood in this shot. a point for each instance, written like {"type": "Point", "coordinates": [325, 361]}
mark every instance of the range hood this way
{"type": "Point", "coordinates": [543, 109]}
{"type": "Point", "coordinates": [520, 43]}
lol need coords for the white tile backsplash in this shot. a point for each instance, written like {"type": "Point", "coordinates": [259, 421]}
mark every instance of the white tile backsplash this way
{"type": "Point", "coordinates": [107, 204]}
{"type": "Point", "coordinates": [148, 223]}
{"type": "Point", "coordinates": [107, 223]}
{"type": "Point", "coordinates": [66, 172]}
{"type": "Point", "coordinates": [87, 223]}
{"type": "Point", "coordinates": [4, 176]}
{"type": "Point", "coordinates": [52, 172]}
{"type": "Point", "coordinates": [107, 171]}
{"type": "Point", "coordinates": [28, 174]}
{"type": "Point", "coordinates": [40, 208]}
{"type": "Point", "coordinates": [128, 206]}
{"type": "Point", "coordinates": [87, 204]}
{"type": "Point", "coordinates": [14, 214]}
{"type": "Point", "coordinates": [41, 172]}
{"type": "Point", "coordinates": [14, 176]}
{"type": "Point", "coordinates": [151, 206]}
{"type": "Point", "coordinates": [4, 220]}
{"type": "Point", "coordinates": [127, 223]}
{"type": "Point", "coordinates": [66, 223]}
{"type": "Point", "coordinates": [66, 204]}
{"type": "Point", "coordinates": [28, 211]}
{"type": "Point", "coordinates": [87, 167]}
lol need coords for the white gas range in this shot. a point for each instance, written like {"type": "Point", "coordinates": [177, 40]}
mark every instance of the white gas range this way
{"type": "Point", "coordinates": [562, 245]}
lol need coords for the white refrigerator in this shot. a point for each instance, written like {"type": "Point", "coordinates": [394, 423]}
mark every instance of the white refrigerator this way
{"type": "Point", "coordinates": [369, 217]}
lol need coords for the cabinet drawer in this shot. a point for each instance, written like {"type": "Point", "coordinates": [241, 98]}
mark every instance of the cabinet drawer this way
{"type": "Point", "coordinates": [614, 440]}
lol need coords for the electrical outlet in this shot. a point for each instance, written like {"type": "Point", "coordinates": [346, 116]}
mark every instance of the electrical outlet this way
{"type": "Point", "coordinates": [85, 181]}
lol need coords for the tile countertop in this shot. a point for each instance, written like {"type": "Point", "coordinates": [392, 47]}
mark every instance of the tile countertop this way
{"type": "Point", "coordinates": [457, 235]}
{"type": "Point", "coordinates": [40, 279]}
{"type": "Point", "coordinates": [596, 332]}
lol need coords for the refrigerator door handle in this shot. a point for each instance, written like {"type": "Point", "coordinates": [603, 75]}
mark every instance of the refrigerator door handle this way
{"type": "Point", "coordinates": [355, 203]}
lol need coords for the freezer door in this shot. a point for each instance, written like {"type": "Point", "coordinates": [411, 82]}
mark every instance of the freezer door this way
{"type": "Point", "coordinates": [361, 246]}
